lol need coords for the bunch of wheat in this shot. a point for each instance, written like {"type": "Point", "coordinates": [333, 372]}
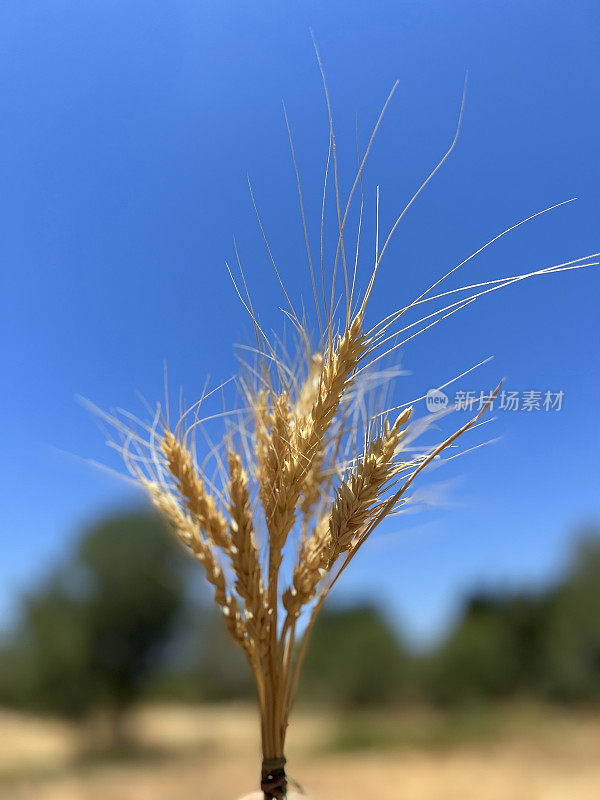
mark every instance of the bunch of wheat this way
{"type": "Point", "coordinates": [306, 473]}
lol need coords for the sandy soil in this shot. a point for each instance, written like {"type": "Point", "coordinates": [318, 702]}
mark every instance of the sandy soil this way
{"type": "Point", "coordinates": [210, 754]}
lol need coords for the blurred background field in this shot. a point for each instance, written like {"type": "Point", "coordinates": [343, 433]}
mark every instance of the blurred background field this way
{"type": "Point", "coordinates": [534, 754]}
{"type": "Point", "coordinates": [119, 682]}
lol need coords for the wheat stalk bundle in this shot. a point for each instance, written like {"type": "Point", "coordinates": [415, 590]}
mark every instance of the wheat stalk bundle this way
{"type": "Point", "coordinates": [311, 468]}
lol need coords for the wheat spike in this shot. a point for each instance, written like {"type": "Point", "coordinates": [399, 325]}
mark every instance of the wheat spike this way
{"type": "Point", "coordinates": [298, 460]}
{"type": "Point", "coordinates": [191, 486]}
{"type": "Point", "coordinates": [190, 534]}
{"type": "Point", "coordinates": [354, 502]}
{"type": "Point", "coordinates": [244, 554]}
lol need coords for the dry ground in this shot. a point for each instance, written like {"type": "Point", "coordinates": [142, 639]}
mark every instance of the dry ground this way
{"type": "Point", "coordinates": [210, 754]}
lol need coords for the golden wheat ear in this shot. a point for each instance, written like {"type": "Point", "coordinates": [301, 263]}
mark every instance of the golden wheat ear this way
{"type": "Point", "coordinates": [310, 462]}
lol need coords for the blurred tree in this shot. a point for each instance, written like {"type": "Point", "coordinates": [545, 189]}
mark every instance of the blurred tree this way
{"type": "Point", "coordinates": [544, 645]}
{"type": "Point", "coordinates": [92, 635]}
{"type": "Point", "coordinates": [95, 634]}
{"type": "Point", "coordinates": [495, 650]}
{"type": "Point", "coordinates": [44, 662]}
{"type": "Point", "coordinates": [203, 664]}
{"type": "Point", "coordinates": [572, 647]}
{"type": "Point", "coordinates": [354, 659]}
{"type": "Point", "coordinates": [222, 671]}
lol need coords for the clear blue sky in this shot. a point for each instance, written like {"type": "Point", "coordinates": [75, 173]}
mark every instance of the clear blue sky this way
{"type": "Point", "coordinates": [127, 130]}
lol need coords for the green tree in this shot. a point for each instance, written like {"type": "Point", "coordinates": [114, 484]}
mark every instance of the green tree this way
{"type": "Point", "coordinates": [354, 659]}
{"type": "Point", "coordinates": [573, 633]}
{"type": "Point", "coordinates": [495, 651]}
{"type": "Point", "coordinates": [93, 634]}
{"type": "Point", "coordinates": [545, 645]}
{"type": "Point", "coordinates": [44, 661]}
